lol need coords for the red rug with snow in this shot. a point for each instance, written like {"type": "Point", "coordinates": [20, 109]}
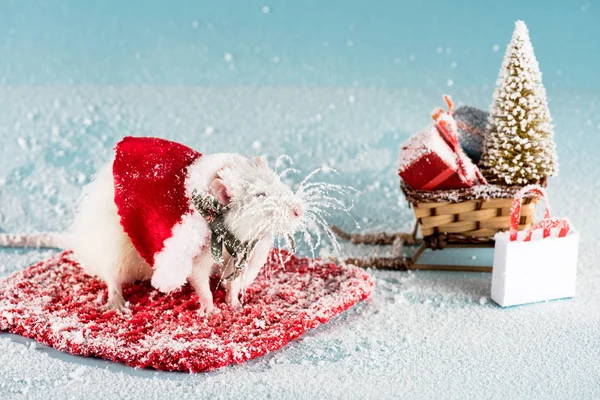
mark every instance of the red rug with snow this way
{"type": "Point", "coordinates": [57, 304]}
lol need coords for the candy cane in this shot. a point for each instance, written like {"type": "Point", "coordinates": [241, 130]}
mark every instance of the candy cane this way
{"type": "Point", "coordinates": [546, 224]}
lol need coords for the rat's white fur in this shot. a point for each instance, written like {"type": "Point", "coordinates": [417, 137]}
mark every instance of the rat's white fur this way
{"type": "Point", "coordinates": [205, 169]}
{"type": "Point", "coordinates": [259, 196]}
{"type": "Point", "coordinates": [260, 206]}
{"type": "Point", "coordinates": [173, 264]}
{"type": "Point", "coordinates": [99, 242]}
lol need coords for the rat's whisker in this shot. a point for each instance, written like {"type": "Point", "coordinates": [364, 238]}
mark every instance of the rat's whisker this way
{"type": "Point", "coordinates": [260, 232]}
{"type": "Point", "coordinates": [280, 256]}
{"type": "Point", "coordinates": [324, 186]}
{"type": "Point", "coordinates": [288, 170]}
{"type": "Point", "coordinates": [327, 202]}
{"type": "Point", "coordinates": [330, 234]}
{"type": "Point", "coordinates": [313, 173]}
{"type": "Point", "coordinates": [281, 159]}
{"type": "Point", "coordinates": [309, 241]}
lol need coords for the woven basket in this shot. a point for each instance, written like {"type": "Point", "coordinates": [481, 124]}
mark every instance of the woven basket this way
{"type": "Point", "coordinates": [478, 213]}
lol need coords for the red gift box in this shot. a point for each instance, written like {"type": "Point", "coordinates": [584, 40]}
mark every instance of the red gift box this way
{"type": "Point", "coordinates": [432, 159]}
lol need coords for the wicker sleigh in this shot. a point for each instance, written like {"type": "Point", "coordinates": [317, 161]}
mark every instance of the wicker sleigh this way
{"type": "Point", "coordinates": [468, 217]}
{"type": "Point", "coordinates": [475, 214]}
{"type": "Point", "coordinates": [456, 218]}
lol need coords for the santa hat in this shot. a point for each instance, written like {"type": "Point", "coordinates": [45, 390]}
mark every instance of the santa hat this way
{"type": "Point", "coordinates": [151, 199]}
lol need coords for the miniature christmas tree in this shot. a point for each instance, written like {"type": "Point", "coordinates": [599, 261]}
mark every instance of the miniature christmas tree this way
{"type": "Point", "coordinates": [519, 148]}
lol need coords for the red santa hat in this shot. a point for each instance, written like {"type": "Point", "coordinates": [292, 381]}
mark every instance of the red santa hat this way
{"type": "Point", "coordinates": [150, 195]}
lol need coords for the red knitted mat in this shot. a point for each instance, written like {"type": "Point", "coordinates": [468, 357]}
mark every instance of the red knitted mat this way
{"type": "Point", "coordinates": [57, 304]}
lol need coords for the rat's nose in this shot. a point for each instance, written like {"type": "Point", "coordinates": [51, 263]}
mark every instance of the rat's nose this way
{"type": "Point", "coordinates": [297, 211]}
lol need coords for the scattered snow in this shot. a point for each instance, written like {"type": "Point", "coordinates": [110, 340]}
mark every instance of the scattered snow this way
{"type": "Point", "coordinates": [81, 178]}
{"type": "Point", "coordinates": [22, 142]}
{"type": "Point", "coordinates": [451, 347]}
{"type": "Point", "coordinates": [78, 373]}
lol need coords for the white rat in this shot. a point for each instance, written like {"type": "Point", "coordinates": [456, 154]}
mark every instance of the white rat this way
{"type": "Point", "coordinates": [137, 219]}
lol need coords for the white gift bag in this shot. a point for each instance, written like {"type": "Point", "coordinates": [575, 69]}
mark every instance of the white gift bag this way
{"type": "Point", "coordinates": [539, 264]}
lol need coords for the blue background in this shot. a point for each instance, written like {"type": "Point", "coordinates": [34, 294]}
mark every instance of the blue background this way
{"type": "Point", "coordinates": [111, 42]}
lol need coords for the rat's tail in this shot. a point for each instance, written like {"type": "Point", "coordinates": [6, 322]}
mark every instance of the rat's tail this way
{"type": "Point", "coordinates": [38, 240]}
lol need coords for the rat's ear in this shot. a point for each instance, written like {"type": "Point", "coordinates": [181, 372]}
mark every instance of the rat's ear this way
{"type": "Point", "coordinates": [221, 191]}
{"type": "Point", "coordinates": [261, 162]}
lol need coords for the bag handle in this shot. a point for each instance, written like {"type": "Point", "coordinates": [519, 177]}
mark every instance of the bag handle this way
{"type": "Point", "coordinates": [546, 224]}
{"type": "Point", "coordinates": [515, 210]}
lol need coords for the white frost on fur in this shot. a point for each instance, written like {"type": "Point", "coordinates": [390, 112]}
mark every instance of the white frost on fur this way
{"type": "Point", "coordinates": [258, 259]}
{"type": "Point", "coordinates": [97, 237]}
{"type": "Point", "coordinates": [261, 203]}
{"type": "Point", "coordinates": [204, 170]}
{"type": "Point", "coordinates": [173, 264]}
{"type": "Point", "coordinates": [251, 216]}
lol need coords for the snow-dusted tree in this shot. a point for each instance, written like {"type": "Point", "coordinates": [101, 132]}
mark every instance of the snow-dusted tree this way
{"type": "Point", "coordinates": [519, 148]}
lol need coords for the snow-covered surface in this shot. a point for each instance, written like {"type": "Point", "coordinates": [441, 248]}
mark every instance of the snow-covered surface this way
{"type": "Point", "coordinates": [421, 335]}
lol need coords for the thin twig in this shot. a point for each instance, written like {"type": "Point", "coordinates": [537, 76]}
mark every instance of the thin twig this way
{"type": "Point", "coordinates": [379, 238]}
{"type": "Point", "coordinates": [395, 263]}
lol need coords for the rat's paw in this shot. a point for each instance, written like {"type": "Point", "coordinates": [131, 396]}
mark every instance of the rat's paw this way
{"type": "Point", "coordinates": [206, 309]}
{"type": "Point", "coordinates": [232, 294]}
{"type": "Point", "coordinates": [118, 305]}
{"type": "Point", "coordinates": [124, 310]}
{"type": "Point", "coordinates": [234, 302]}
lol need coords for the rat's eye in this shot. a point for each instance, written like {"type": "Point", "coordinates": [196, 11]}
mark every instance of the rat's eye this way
{"type": "Point", "coordinates": [260, 194]}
